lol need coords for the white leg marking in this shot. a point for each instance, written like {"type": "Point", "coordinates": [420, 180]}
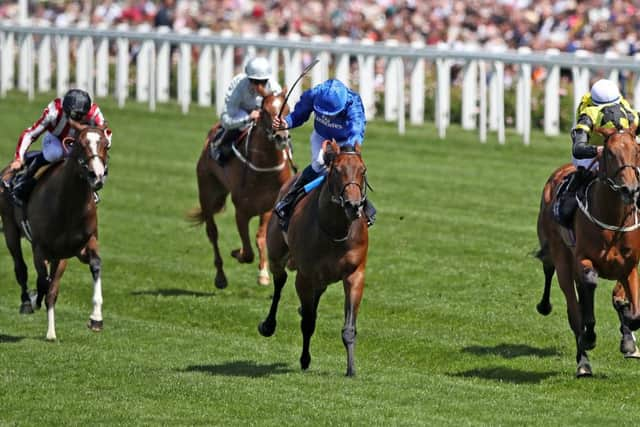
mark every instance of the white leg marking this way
{"type": "Point", "coordinates": [51, 330]}
{"type": "Point", "coordinates": [97, 300]}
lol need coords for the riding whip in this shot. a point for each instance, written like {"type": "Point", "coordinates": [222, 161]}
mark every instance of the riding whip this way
{"type": "Point", "coordinates": [304, 72]}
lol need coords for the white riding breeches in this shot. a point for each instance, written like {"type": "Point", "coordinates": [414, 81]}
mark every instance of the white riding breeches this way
{"type": "Point", "coordinates": [52, 148]}
{"type": "Point", "coordinates": [585, 163]}
{"type": "Point", "coordinates": [317, 156]}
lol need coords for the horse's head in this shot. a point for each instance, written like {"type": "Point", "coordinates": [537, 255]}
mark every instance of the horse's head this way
{"type": "Point", "coordinates": [272, 105]}
{"type": "Point", "coordinates": [619, 162]}
{"type": "Point", "coordinates": [347, 177]}
{"type": "Point", "coordinates": [90, 150]}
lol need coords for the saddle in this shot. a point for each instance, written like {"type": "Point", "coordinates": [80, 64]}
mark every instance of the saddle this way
{"type": "Point", "coordinates": [221, 142]}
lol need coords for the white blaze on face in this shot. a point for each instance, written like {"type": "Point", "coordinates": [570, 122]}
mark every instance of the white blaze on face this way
{"type": "Point", "coordinates": [96, 164]}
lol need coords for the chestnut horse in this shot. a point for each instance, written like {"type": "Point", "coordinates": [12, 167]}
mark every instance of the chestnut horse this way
{"type": "Point", "coordinates": [60, 219]}
{"type": "Point", "coordinates": [253, 177]}
{"type": "Point", "coordinates": [327, 241]}
{"type": "Point", "coordinates": [607, 244]}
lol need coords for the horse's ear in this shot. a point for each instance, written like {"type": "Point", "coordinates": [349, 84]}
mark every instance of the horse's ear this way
{"type": "Point", "coordinates": [330, 150]}
{"type": "Point", "coordinates": [357, 148]}
{"type": "Point", "coordinates": [606, 132]}
{"type": "Point", "coordinates": [633, 128]}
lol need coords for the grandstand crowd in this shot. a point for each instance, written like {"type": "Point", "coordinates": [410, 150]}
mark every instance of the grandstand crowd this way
{"type": "Point", "coordinates": [594, 25]}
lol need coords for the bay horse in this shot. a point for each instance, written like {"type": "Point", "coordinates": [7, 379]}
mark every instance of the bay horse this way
{"type": "Point", "coordinates": [607, 244]}
{"type": "Point", "coordinates": [60, 219]}
{"type": "Point", "coordinates": [253, 177]}
{"type": "Point", "coordinates": [327, 241]}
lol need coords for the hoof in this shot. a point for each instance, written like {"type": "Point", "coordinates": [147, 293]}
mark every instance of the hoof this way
{"type": "Point", "coordinates": [584, 371]}
{"type": "Point", "coordinates": [26, 308]}
{"type": "Point", "coordinates": [635, 354]}
{"type": "Point", "coordinates": [627, 345]}
{"type": "Point", "coordinates": [241, 257]}
{"type": "Point", "coordinates": [266, 331]}
{"type": "Point", "coordinates": [95, 325]}
{"type": "Point", "coordinates": [263, 278]}
{"type": "Point", "coordinates": [305, 361]}
{"type": "Point", "coordinates": [544, 309]}
{"type": "Point", "coordinates": [221, 281]}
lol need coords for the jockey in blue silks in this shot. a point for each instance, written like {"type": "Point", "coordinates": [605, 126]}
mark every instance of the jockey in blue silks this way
{"type": "Point", "coordinates": [339, 115]}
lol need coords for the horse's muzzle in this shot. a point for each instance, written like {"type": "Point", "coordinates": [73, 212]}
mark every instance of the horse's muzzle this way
{"type": "Point", "coordinates": [353, 209]}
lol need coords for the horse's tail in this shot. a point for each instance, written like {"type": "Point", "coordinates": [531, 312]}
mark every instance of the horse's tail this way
{"type": "Point", "coordinates": [196, 216]}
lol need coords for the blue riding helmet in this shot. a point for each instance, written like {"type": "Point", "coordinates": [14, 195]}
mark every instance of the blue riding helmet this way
{"type": "Point", "coordinates": [331, 98]}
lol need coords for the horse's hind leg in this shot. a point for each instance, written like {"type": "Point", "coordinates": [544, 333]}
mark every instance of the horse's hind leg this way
{"type": "Point", "coordinates": [89, 255]}
{"type": "Point", "coordinates": [353, 288]}
{"type": "Point", "coordinates": [544, 307]}
{"type": "Point", "coordinates": [12, 238]}
{"type": "Point", "coordinates": [244, 254]}
{"type": "Point", "coordinates": [261, 243]}
{"type": "Point", "coordinates": [57, 270]}
{"type": "Point", "coordinates": [309, 296]}
{"type": "Point", "coordinates": [268, 326]}
{"type": "Point", "coordinates": [622, 306]}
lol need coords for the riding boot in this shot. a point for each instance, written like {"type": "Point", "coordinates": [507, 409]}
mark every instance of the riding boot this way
{"type": "Point", "coordinates": [24, 181]}
{"type": "Point", "coordinates": [222, 146]}
{"type": "Point", "coordinates": [567, 203]}
{"type": "Point", "coordinates": [283, 207]}
{"type": "Point", "coordinates": [370, 212]}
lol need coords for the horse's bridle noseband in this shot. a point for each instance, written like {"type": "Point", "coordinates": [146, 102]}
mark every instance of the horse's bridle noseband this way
{"type": "Point", "coordinates": [609, 179]}
{"type": "Point", "coordinates": [340, 199]}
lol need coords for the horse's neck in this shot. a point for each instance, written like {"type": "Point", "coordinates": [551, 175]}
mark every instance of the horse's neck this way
{"type": "Point", "coordinates": [74, 190]}
{"type": "Point", "coordinates": [607, 205]}
{"type": "Point", "coordinates": [331, 217]}
{"type": "Point", "coordinates": [260, 144]}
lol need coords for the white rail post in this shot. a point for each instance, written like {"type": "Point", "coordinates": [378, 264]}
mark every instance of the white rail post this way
{"type": "Point", "coordinates": [102, 65]}
{"type": "Point", "coordinates": [224, 70]}
{"type": "Point", "coordinates": [416, 92]}
{"type": "Point", "coordinates": [391, 77]}
{"type": "Point", "coordinates": [273, 55]}
{"type": "Point", "coordinates": [523, 99]}
{"type": "Point", "coordinates": [343, 73]}
{"type": "Point", "coordinates": [84, 62]}
{"type": "Point", "coordinates": [469, 91]}
{"type": "Point", "coordinates": [580, 81]}
{"type": "Point", "coordinates": [400, 91]}
{"type": "Point", "coordinates": [25, 42]}
{"type": "Point", "coordinates": [552, 97]}
{"type": "Point", "coordinates": [62, 61]}
{"type": "Point", "coordinates": [163, 67]}
{"type": "Point", "coordinates": [205, 65]}
{"type": "Point", "coordinates": [320, 72]}
{"type": "Point", "coordinates": [152, 76]}
{"type": "Point", "coordinates": [443, 92]}
{"type": "Point", "coordinates": [292, 69]}
{"type": "Point", "coordinates": [142, 65]}
{"type": "Point", "coordinates": [499, 99]}
{"type": "Point", "coordinates": [184, 75]}
{"type": "Point", "coordinates": [367, 73]}
{"type": "Point", "coordinates": [482, 68]}
{"type": "Point", "coordinates": [122, 68]}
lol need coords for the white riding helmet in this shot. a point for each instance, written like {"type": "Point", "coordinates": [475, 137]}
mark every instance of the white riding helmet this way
{"type": "Point", "coordinates": [258, 68]}
{"type": "Point", "coordinates": [605, 91]}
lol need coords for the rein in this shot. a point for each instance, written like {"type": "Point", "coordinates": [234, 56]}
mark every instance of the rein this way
{"type": "Point", "coordinates": [253, 167]}
{"type": "Point", "coordinates": [584, 207]}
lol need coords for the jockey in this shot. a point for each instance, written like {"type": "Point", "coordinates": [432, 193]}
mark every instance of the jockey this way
{"type": "Point", "coordinates": [56, 120]}
{"type": "Point", "coordinates": [603, 107]}
{"type": "Point", "coordinates": [339, 115]}
{"type": "Point", "coordinates": [242, 103]}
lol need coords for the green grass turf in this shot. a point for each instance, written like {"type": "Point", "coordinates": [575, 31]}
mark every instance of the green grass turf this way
{"type": "Point", "coordinates": [448, 333]}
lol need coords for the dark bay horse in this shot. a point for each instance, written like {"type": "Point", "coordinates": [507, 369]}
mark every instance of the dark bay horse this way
{"type": "Point", "coordinates": [62, 223]}
{"type": "Point", "coordinates": [253, 177]}
{"type": "Point", "coordinates": [607, 244]}
{"type": "Point", "coordinates": [327, 241]}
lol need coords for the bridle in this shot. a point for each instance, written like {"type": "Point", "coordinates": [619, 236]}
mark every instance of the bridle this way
{"type": "Point", "coordinates": [82, 158]}
{"type": "Point", "coordinates": [609, 179]}
{"type": "Point", "coordinates": [338, 197]}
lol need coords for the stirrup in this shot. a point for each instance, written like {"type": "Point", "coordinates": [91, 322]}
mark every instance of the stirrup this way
{"type": "Point", "coordinates": [96, 197]}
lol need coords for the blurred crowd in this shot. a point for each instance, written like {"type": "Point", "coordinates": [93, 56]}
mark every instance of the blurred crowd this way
{"type": "Point", "coordinates": [568, 25]}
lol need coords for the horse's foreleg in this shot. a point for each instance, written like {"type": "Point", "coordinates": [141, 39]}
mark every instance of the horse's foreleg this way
{"type": "Point", "coordinates": [308, 310]}
{"type": "Point", "coordinates": [91, 257]}
{"type": "Point", "coordinates": [353, 289]}
{"type": "Point", "coordinates": [57, 270]}
{"type": "Point", "coordinates": [544, 307]}
{"type": "Point", "coordinates": [44, 277]}
{"type": "Point", "coordinates": [244, 254]}
{"type": "Point", "coordinates": [587, 282]}
{"type": "Point", "coordinates": [268, 326]}
{"type": "Point", "coordinates": [622, 307]}
{"type": "Point", "coordinates": [261, 243]}
{"type": "Point", "coordinates": [632, 291]}
{"type": "Point", "coordinates": [12, 238]}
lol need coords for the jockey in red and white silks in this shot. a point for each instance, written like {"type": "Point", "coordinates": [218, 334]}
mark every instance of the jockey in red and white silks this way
{"type": "Point", "coordinates": [55, 122]}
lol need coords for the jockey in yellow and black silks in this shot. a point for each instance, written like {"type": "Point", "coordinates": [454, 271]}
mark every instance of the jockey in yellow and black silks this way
{"type": "Point", "coordinates": [603, 107]}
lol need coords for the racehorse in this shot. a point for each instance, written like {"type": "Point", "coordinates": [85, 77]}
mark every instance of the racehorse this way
{"type": "Point", "coordinates": [253, 177]}
{"type": "Point", "coordinates": [327, 241]}
{"type": "Point", "coordinates": [60, 219]}
{"type": "Point", "coordinates": [607, 244]}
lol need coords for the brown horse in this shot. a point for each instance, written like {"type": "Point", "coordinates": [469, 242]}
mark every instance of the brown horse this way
{"type": "Point", "coordinates": [327, 241]}
{"type": "Point", "coordinates": [607, 244]}
{"type": "Point", "coordinates": [253, 177]}
{"type": "Point", "coordinates": [61, 221]}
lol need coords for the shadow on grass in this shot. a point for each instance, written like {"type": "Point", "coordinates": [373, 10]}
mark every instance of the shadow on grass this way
{"type": "Point", "coordinates": [9, 339]}
{"type": "Point", "coordinates": [242, 368]}
{"type": "Point", "coordinates": [506, 375]}
{"type": "Point", "coordinates": [173, 292]}
{"type": "Point", "coordinates": [511, 351]}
